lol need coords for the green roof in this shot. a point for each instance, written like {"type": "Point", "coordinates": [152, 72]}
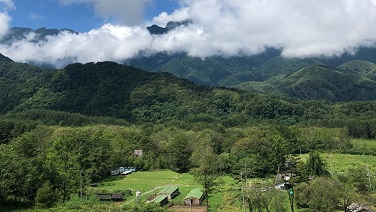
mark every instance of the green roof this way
{"type": "Point", "coordinates": [168, 190]}
{"type": "Point", "coordinates": [159, 199]}
{"type": "Point", "coordinates": [195, 193]}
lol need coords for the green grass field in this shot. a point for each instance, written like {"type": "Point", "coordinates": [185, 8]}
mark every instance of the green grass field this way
{"type": "Point", "coordinates": [149, 183]}
{"type": "Point", "coordinates": [340, 163]}
{"type": "Point", "coordinates": [144, 181]}
{"type": "Point", "coordinates": [364, 144]}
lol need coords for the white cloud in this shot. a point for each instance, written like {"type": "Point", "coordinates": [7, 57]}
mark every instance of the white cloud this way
{"type": "Point", "coordinates": [109, 42]}
{"type": "Point", "coordinates": [177, 15]}
{"type": "Point", "coordinates": [220, 27]}
{"type": "Point", "coordinates": [34, 16]}
{"type": "Point", "coordinates": [4, 23]}
{"type": "Point", "coordinates": [129, 12]}
{"type": "Point", "coordinates": [9, 4]}
{"type": "Point", "coordinates": [301, 28]}
{"type": "Point", "coordinates": [4, 17]}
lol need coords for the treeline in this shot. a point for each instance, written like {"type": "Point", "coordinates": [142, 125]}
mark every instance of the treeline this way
{"type": "Point", "coordinates": [65, 160]}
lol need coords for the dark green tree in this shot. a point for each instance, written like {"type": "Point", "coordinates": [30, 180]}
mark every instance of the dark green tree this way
{"type": "Point", "coordinates": [321, 194]}
{"type": "Point", "coordinates": [206, 169]}
{"type": "Point", "coordinates": [47, 196]}
{"type": "Point", "coordinates": [179, 150]}
{"type": "Point", "coordinates": [315, 165]}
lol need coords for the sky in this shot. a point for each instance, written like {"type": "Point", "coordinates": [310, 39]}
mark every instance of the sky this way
{"type": "Point", "coordinates": [116, 29]}
{"type": "Point", "coordinates": [84, 15]}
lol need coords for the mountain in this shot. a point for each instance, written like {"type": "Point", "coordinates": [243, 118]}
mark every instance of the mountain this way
{"type": "Point", "coordinates": [268, 72]}
{"type": "Point", "coordinates": [19, 81]}
{"type": "Point", "coordinates": [20, 33]}
{"type": "Point", "coordinates": [318, 82]}
{"type": "Point", "coordinates": [212, 71]}
{"type": "Point", "coordinates": [107, 92]}
{"type": "Point", "coordinates": [359, 67]}
{"type": "Point", "coordinates": [108, 89]}
{"type": "Point", "coordinates": [157, 30]}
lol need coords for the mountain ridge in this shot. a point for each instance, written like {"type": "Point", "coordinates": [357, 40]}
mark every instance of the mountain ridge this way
{"type": "Point", "coordinates": [247, 72]}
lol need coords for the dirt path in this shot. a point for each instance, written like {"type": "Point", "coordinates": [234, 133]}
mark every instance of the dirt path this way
{"type": "Point", "coordinates": [182, 208]}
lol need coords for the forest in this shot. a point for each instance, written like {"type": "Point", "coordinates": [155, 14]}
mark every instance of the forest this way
{"type": "Point", "coordinates": [61, 130]}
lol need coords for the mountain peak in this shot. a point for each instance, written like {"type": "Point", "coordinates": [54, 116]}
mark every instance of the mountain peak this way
{"type": "Point", "coordinates": [20, 33]}
{"type": "Point", "coordinates": [4, 58]}
{"type": "Point", "coordinates": [157, 30]}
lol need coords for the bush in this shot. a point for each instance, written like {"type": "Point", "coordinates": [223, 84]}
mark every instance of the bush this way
{"type": "Point", "coordinates": [46, 196]}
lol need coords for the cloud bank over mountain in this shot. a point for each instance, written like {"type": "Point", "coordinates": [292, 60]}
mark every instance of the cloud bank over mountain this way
{"type": "Point", "coordinates": [219, 27]}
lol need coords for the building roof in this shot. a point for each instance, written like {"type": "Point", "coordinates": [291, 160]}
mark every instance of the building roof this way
{"type": "Point", "coordinates": [159, 198]}
{"type": "Point", "coordinates": [168, 190]}
{"type": "Point", "coordinates": [104, 196]}
{"type": "Point", "coordinates": [117, 196]}
{"type": "Point", "coordinates": [195, 193]}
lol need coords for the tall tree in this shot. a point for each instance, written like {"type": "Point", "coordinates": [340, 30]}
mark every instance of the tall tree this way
{"type": "Point", "coordinates": [315, 165]}
{"type": "Point", "coordinates": [206, 169]}
{"type": "Point", "coordinates": [322, 194]}
{"type": "Point", "coordinates": [179, 149]}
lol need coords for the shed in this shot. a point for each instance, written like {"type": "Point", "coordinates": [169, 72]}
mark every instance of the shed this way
{"type": "Point", "coordinates": [194, 197]}
{"type": "Point", "coordinates": [162, 200]}
{"type": "Point", "coordinates": [117, 196]}
{"type": "Point", "coordinates": [104, 196]}
{"type": "Point", "coordinates": [171, 192]}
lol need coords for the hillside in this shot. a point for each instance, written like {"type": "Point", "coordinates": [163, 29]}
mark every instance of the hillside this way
{"type": "Point", "coordinates": [120, 91]}
{"type": "Point", "coordinates": [359, 67]}
{"type": "Point", "coordinates": [108, 89]}
{"type": "Point", "coordinates": [18, 82]}
{"type": "Point", "coordinates": [318, 82]}
{"type": "Point", "coordinates": [209, 71]}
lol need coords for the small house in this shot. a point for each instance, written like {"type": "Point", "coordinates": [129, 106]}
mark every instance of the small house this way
{"type": "Point", "coordinates": [162, 200]}
{"type": "Point", "coordinates": [117, 197]}
{"type": "Point", "coordinates": [171, 192]}
{"type": "Point", "coordinates": [194, 197]}
{"type": "Point", "coordinates": [104, 196]}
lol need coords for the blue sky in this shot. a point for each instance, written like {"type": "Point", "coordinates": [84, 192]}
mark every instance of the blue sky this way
{"type": "Point", "coordinates": [80, 17]}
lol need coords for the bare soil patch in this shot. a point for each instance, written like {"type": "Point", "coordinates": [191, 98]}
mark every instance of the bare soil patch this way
{"type": "Point", "coordinates": [184, 208]}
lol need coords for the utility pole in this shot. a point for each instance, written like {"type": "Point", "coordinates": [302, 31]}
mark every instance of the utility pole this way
{"type": "Point", "coordinates": [291, 198]}
{"type": "Point", "coordinates": [369, 179]}
{"type": "Point", "coordinates": [241, 178]}
{"type": "Point", "coordinates": [81, 184]}
{"type": "Point", "coordinates": [290, 186]}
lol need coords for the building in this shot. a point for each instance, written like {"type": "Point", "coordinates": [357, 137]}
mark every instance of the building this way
{"type": "Point", "coordinates": [114, 197]}
{"type": "Point", "coordinates": [117, 197]}
{"type": "Point", "coordinates": [194, 197]}
{"type": "Point", "coordinates": [123, 170]}
{"type": "Point", "coordinates": [162, 200]}
{"type": "Point", "coordinates": [104, 196]}
{"type": "Point", "coordinates": [171, 192]}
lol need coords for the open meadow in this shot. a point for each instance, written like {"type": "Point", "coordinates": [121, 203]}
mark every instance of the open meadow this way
{"type": "Point", "coordinates": [149, 183]}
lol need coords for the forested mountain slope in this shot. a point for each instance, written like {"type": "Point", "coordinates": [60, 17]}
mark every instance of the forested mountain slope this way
{"type": "Point", "coordinates": [319, 82]}
{"type": "Point", "coordinates": [108, 89]}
